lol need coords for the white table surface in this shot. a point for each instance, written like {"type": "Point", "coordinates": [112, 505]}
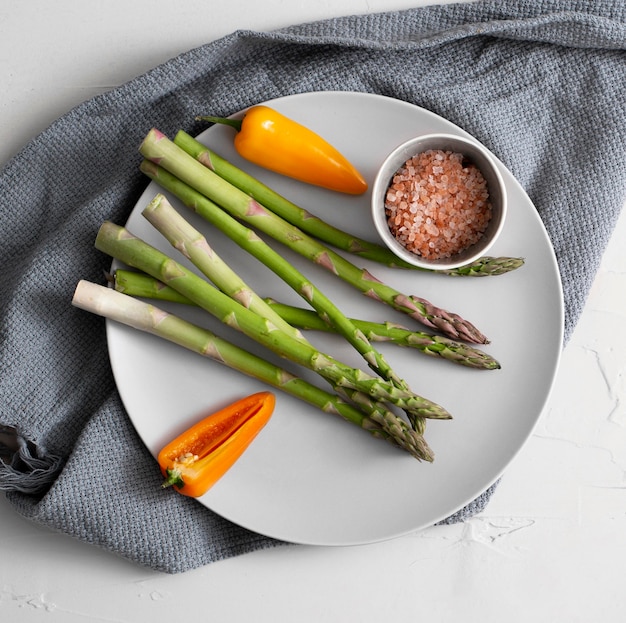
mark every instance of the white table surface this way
{"type": "Point", "coordinates": [549, 547]}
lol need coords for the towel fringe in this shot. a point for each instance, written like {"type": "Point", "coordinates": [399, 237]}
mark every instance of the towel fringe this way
{"type": "Point", "coordinates": [24, 467]}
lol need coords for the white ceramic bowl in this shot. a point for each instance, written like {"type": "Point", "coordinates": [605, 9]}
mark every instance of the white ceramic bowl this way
{"type": "Point", "coordinates": [480, 157]}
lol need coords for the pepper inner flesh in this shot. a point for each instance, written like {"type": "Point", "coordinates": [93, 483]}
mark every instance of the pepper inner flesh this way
{"type": "Point", "coordinates": [200, 456]}
{"type": "Point", "coordinates": [200, 449]}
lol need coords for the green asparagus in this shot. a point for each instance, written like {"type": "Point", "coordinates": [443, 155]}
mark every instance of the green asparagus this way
{"type": "Point", "coordinates": [119, 243]}
{"type": "Point", "coordinates": [141, 285]}
{"type": "Point", "coordinates": [433, 345]}
{"type": "Point", "coordinates": [124, 309]}
{"type": "Point", "coordinates": [191, 242]}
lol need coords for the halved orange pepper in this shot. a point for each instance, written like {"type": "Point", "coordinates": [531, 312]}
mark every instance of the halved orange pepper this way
{"type": "Point", "coordinates": [276, 142]}
{"type": "Point", "coordinates": [194, 461]}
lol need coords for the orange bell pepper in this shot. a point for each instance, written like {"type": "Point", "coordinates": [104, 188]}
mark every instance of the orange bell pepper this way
{"type": "Point", "coordinates": [200, 456]}
{"type": "Point", "coordinates": [275, 142]}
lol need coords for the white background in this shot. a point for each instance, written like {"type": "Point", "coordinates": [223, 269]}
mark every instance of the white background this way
{"type": "Point", "coordinates": [549, 547]}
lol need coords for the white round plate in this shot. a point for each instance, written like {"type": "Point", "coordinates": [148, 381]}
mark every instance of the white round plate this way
{"type": "Point", "coordinates": [310, 477]}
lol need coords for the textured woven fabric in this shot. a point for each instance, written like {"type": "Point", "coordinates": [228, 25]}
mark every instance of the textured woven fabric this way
{"type": "Point", "coordinates": [541, 83]}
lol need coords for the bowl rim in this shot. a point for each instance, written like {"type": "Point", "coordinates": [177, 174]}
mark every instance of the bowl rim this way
{"type": "Point", "coordinates": [392, 163]}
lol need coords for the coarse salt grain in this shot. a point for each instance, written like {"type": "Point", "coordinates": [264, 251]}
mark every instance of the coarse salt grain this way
{"type": "Point", "coordinates": [437, 204]}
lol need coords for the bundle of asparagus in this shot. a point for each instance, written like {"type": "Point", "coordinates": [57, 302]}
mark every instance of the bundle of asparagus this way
{"type": "Point", "coordinates": [369, 392]}
{"type": "Point", "coordinates": [122, 245]}
{"type": "Point", "coordinates": [227, 198]}
{"type": "Point", "coordinates": [194, 246]}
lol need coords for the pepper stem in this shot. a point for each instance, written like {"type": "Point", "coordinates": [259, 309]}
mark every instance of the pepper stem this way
{"type": "Point", "coordinates": [233, 123]}
{"type": "Point", "coordinates": [174, 477]}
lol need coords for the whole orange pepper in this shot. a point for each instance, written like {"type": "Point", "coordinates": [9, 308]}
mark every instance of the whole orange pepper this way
{"type": "Point", "coordinates": [276, 142]}
{"type": "Point", "coordinates": [200, 456]}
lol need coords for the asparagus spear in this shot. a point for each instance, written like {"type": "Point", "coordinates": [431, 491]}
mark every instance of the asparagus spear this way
{"type": "Point", "coordinates": [121, 244]}
{"type": "Point", "coordinates": [191, 242]}
{"type": "Point", "coordinates": [138, 284]}
{"type": "Point", "coordinates": [124, 309]}
{"type": "Point", "coordinates": [426, 343]}
{"type": "Point", "coordinates": [319, 228]}
{"type": "Point", "coordinates": [486, 266]}
{"type": "Point", "coordinates": [142, 285]}
{"type": "Point", "coordinates": [164, 154]}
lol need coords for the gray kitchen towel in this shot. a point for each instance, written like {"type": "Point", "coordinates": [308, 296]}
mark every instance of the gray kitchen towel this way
{"type": "Point", "coordinates": [541, 83]}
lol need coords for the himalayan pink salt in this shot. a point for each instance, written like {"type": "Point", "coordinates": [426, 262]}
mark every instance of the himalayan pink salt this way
{"type": "Point", "coordinates": [437, 204]}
